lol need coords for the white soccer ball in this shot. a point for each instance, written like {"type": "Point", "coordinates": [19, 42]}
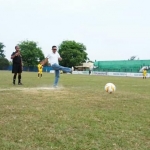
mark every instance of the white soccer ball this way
{"type": "Point", "coordinates": [110, 88]}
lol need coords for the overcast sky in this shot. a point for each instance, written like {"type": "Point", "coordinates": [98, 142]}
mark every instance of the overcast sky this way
{"type": "Point", "coordinates": [110, 29]}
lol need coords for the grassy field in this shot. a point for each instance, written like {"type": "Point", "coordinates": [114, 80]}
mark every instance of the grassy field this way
{"type": "Point", "coordinates": [79, 115]}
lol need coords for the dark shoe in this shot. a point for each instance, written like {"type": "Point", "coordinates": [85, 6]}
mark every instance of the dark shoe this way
{"type": "Point", "coordinates": [20, 84]}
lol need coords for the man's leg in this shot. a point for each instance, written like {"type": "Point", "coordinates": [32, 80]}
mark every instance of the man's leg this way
{"type": "Point", "coordinates": [56, 78]}
{"type": "Point", "coordinates": [14, 78]}
{"type": "Point", "coordinates": [14, 71]}
{"type": "Point", "coordinates": [40, 73]}
{"type": "Point", "coordinates": [19, 74]}
{"type": "Point", "coordinates": [64, 69]}
{"type": "Point", "coordinates": [19, 79]}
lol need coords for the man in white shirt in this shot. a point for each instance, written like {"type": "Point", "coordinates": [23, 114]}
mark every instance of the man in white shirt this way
{"type": "Point", "coordinates": [54, 59]}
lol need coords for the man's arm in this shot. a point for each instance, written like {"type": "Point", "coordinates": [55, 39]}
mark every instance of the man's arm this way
{"type": "Point", "coordinates": [14, 55]}
{"type": "Point", "coordinates": [59, 58]}
{"type": "Point", "coordinates": [43, 62]}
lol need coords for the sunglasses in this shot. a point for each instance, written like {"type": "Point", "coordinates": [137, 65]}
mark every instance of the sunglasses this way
{"type": "Point", "coordinates": [54, 49]}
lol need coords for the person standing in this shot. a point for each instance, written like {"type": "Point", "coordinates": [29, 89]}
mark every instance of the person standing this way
{"type": "Point", "coordinates": [54, 59]}
{"type": "Point", "coordinates": [16, 65]}
{"type": "Point", "coordinates": [144, 73]}
{"type": "Point", "coordinates": [40, 70]}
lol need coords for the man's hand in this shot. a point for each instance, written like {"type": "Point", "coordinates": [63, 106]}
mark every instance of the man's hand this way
{"type": "Point", "coordinates": [60, 59]}
{"type": "Point", "coordinates": [17, 54]}
{"type": "Point", "coordinates": [43, 62]}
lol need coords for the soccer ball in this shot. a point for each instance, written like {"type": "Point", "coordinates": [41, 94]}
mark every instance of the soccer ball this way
{"type": "Point", "coordinates": [110, 88]}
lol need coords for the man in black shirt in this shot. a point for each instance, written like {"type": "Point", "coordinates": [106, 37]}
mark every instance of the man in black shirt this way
{"type": "Point", "coordinates": [17, 65]}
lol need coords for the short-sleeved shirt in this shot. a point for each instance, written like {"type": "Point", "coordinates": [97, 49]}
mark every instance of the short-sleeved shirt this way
{"type": "Point", "coordinates": [53, 58]}
{"type": "Point", "coordinates": [16, 59]}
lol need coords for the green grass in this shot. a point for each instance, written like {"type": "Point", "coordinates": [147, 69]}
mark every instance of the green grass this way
{"type": "Point", "coordinates": [78, 116]}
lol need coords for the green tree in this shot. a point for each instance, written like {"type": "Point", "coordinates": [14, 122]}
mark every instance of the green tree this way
{"type": "Point", "coordinates": [72, 53]}
{"type": "Point", "coordinates": [31, 53]}
{"type": "Point", "coordinates": [4, 63]}
{"type": "Point", "coordinates": [2, 50]}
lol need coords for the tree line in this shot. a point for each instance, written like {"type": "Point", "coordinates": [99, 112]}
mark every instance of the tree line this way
{"type": "Point", "coordinates": [73, 54]}
{"type": "Point", "coordinates": [3, 60]}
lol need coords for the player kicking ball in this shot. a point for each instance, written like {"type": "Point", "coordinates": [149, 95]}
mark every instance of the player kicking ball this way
{"type": "Point", "coordinates": [54, 59]}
